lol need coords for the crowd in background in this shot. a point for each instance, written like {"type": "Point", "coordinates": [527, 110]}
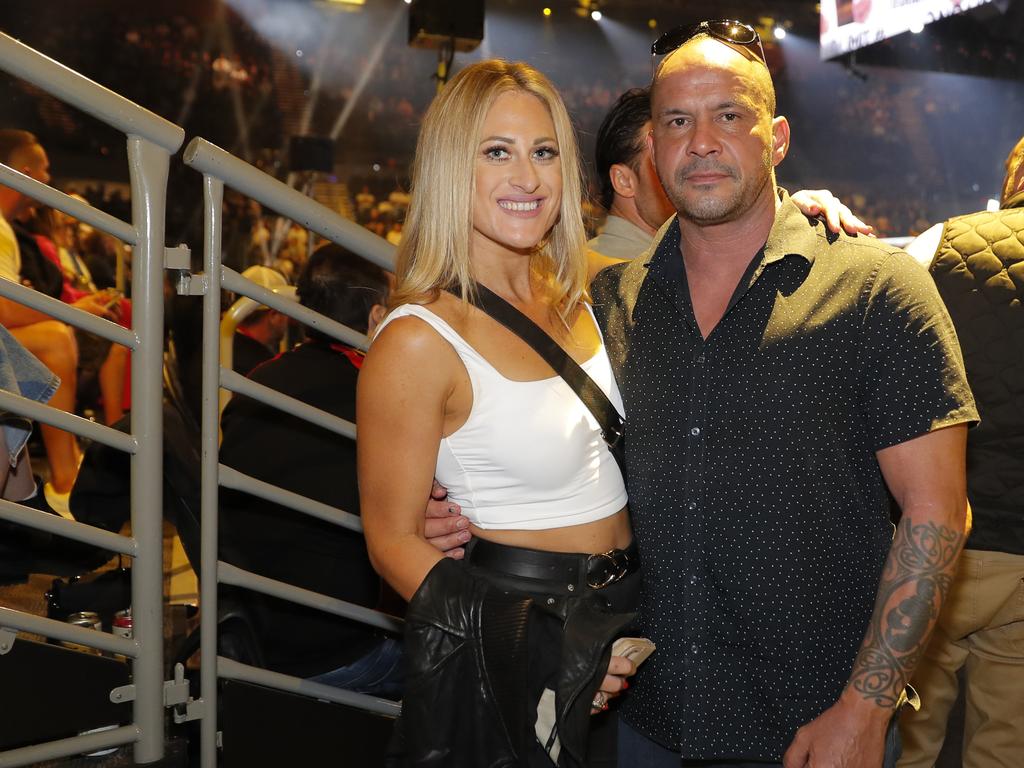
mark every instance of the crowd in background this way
{"type": "Point", "coordinates": [892, 144]}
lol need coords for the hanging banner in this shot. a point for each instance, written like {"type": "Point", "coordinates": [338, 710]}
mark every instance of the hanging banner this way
{"type": "Point", "coordinates": [847, 25]}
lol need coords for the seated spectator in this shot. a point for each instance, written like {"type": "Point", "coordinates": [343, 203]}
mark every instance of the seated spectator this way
{"type": "Point", "coordinates": [51, 341]}
{"type": "Point", "coordinates": [294, 454]}
{"type": "Point", "coordinates": [259, 335]}
{"type": "Point", "coordinates": [100, 362]}
{"type": "Point", "coordinates": [101, 252]}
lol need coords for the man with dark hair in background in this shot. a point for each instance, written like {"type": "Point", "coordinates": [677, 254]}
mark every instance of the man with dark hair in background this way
{"type": "Point", "coordinates": [977, 262]}
{"type": "Point", "coordinates": [630, 189]}
{"type": "Point", "coordinates": [305, 458]}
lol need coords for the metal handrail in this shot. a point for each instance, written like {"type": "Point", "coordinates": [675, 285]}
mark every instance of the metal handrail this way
{"type": "Point", "coordinates": [232, 281]}
{"type": "Point", "coordinates": [23, 406]}
{"type": "Point", "coordinates": [220, 168]}
{"type": "Point", "coordinates": [151, 139]}
{"type": "Point", "coordinates": [233, 317]}
{"type": "Point", "coordinates": [230, 669]}
{"type": "Point", "coordinates": [61, 630]}
{"type": "Point", "coordinates": [90, 97]}
{"type": "Point", "coordinates": [239, 577]}
{"type": "Point", "coordinates": [87, 534]}
{"type": "Point", "coordinates": [239, 481]}
{"type": "Point", "coordinates": [54, 750]}
{"type": "Point", "coordinates": [54, 198]}
{"type": "Point", "coordinates": [57, 309]}
{"type": "Point", "coordinates": [211, 160]}
{"type": "Point", "coordinates": [264, 394]}
{"type": "Point", "coordinates": [150, 142]}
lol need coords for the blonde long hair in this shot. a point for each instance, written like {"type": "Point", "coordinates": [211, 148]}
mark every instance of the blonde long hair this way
{"type": "Point", "coordinates": [434, 251]}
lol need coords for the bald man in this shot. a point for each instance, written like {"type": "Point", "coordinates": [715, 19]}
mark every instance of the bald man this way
{"type": "Point", "coordinates": [779, 382]}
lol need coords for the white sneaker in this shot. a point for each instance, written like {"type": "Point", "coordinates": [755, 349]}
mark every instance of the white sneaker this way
{"type": "Point", "coordinates": [59, 502]}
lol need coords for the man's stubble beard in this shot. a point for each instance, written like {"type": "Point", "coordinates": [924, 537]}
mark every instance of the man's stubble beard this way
{"type": "Point", "coordinates": [708, 210]}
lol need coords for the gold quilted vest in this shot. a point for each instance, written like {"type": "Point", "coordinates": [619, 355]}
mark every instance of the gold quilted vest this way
{"type": "Point", "coordinates": [979, 271]}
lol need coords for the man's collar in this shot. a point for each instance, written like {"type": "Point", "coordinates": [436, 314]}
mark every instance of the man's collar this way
{"type": "Point", "coordinates": [664, 244]}
{"type": "Point", "coordinates": [791, 235]}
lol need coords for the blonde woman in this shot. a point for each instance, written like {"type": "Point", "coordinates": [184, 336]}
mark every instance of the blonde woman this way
{"type": "Point", "coordinates": [507, 650]}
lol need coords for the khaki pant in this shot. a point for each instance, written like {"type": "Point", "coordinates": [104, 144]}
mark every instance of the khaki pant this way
{"type": "Point", "coordinates": [982, 627]}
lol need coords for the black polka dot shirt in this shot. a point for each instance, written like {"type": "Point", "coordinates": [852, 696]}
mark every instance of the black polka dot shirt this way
{"type": "Point", "coordinates": [757, 501]}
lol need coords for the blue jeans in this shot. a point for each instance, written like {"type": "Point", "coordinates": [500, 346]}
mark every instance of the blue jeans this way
{"type": "Point", "coordinates": [637, 751]}
{"type": "Point", "coordinates": [378, 673]}
{"type": "Point", "coordinates": [22, 374]}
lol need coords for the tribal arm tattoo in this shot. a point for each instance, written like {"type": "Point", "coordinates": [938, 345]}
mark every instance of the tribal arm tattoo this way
{"type": "Point", "coordinates": [916, 578]}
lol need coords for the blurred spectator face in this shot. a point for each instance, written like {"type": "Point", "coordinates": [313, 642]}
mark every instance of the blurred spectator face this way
{"type": "Point", "coordinates": [518, 175]}
{"type": "Point", "coordinates": [36, 164]}
{"type": "Point", "coordinates": [297, 237]}
{"type": "Point", "coordinates": [713, 132]}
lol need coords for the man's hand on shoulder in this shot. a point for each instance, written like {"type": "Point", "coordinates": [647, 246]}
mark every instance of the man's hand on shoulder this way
{"type": "Point", "coordinates": [849, 734]}
{"type": "Point", "coordinates": [813, 202]}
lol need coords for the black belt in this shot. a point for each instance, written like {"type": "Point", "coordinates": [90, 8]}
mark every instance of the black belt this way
{"type": "Point", "coordinates": [570, 569]}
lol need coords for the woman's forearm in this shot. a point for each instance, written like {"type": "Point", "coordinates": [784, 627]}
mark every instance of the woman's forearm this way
{"type": "Point", "coordinates": [402, 560]}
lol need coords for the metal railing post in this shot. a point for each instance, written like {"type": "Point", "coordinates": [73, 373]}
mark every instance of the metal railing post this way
{"type": "Point", "coordinates": [148, 166]}
{"type": "Point", "coordinates": [213, 196]}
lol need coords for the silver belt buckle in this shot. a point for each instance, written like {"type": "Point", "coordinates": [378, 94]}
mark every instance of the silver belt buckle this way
{"type": "Point", "coordinates": [614, 573]}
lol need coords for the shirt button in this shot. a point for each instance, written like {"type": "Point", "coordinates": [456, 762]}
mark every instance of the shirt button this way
{"type": "Point", "coordinates": [695, 431]}
{"type": "Point", "coordinates": [700, 358]}
{"type": "Point", "coordinates": [693, 505]}
{"type": "Point", "coordinates": [694, 649]}
{"type": "Point", "coordinates": [693, 579]}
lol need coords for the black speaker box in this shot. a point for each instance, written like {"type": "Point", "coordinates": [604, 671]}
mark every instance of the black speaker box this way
{"type": "Point", "coordinates": [311, 153]}
{"type": "Point", "coordinates": [435, 23]}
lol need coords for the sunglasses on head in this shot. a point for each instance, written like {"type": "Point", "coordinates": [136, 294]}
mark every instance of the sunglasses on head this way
{"type": "Point", "coordinates": [726, 30]}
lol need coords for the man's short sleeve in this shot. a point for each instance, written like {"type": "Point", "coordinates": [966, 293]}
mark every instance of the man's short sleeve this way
{"type": "Point", "coordinates": [912, 372]}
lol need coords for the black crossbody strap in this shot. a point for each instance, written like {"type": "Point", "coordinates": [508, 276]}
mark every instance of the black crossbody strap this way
{"type": "Point", "coordinates": [586, 388]}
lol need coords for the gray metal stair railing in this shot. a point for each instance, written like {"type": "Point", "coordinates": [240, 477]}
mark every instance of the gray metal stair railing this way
{"type": "Point", "coordinates": [219, 168]}
{"type": "Point", "coordinates": [151, 140]}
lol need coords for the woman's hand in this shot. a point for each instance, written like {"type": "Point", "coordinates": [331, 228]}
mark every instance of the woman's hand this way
{"type": "Point", "coordinates": [820, 201]}
{"type": "Point", "coordinates": [614, 683]}
{"type": "Point", "coordinates": [95, 304]}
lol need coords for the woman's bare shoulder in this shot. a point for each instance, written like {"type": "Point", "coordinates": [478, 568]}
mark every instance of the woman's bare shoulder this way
{"type": "Point", "coordinates": [410, 336]}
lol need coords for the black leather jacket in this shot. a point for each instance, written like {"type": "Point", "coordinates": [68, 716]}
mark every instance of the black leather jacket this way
{"type": "Point", "coordinates": [466, 697]}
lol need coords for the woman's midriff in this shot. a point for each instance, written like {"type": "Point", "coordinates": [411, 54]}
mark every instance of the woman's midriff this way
{"type": "Point", "coordinates": [612, 532]}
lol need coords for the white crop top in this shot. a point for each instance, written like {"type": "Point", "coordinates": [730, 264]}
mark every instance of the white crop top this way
{"type": "Point", "coordinates": [530, 456]}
